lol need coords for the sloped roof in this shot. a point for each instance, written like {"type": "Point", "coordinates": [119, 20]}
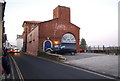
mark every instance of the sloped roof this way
{"type": "Point", "coordinates": [60, 19]}
{"type": "Point", "coordinates": [31, 22]}
{"type": "Point", "coordinates": [38, 22]}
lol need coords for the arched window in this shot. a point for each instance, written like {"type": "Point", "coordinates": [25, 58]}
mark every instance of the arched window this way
{"type": "Point", "coordinates": [68, 38]}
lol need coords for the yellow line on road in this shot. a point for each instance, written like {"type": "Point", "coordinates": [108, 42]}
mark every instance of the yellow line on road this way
{"type": "Point", "coordinates": [88, 71]}
{"type": "Point", "coordinates": [11, 64]}
{"type": "Point", "coordinates": [18, 70]}
{"type": "Point", "coordinates": [78, 68]}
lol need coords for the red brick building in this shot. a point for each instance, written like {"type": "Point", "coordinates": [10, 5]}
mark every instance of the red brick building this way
{"type": "Point", "coordinates": [38, 34]}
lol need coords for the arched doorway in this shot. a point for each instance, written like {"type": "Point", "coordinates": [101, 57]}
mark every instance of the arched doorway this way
{"type": "Point", "coordinates": [47, 44]}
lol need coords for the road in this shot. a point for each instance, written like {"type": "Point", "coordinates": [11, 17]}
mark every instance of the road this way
{"type": "Point", "coordinates": [108, 64]}
{"type": "Point", "coordinates": [31, 67]}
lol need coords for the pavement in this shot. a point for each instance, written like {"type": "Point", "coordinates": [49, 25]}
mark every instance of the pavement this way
{"type": "Point", "coordinates": [107, 64]}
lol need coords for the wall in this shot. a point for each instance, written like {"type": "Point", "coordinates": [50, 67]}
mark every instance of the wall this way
{"type": "Point", "coordinates": [50, 30]}
{"type": "Point", "coordinates": [2, 8]}
{"type": "Point", "coordinates": [0, 45]}
{"type": "Point", "coordinates": [119, 23]}
{"type": "Point", "coordinates": [62, 12]}
{"type": "Point", "coordinates": [25, 33]}
{"type": "Point", "coordinates": [32, 42]}
{"type": "Point", "coordinates": [1, 11]}
{"type": "Point", "coordinates": [27, 29]}
{"type": "Point", "coordinates": [55, 29]}
{"type": "Point", "coordinates": [0, 34]}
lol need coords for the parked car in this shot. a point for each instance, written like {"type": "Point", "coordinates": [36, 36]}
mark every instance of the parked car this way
{"type": "Point", "coordinates": [64, 48]}
{"type": "Point", "coordinates": [80, 50]}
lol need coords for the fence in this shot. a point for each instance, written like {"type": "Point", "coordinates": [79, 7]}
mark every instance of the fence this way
{"type": "Point", "coordinates": [107, 50]}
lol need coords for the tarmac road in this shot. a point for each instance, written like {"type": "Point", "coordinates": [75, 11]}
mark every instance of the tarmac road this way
{"type": "Point", "coordinates": [102, 63]}
{"type": "Point", "coordinates": [31, 67]}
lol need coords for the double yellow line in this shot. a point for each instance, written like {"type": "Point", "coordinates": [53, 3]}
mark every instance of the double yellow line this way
{"type": "Point", "coordinates": [17, 69]}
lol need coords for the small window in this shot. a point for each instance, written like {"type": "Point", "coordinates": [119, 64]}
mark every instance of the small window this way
{"type": "Point", "coordinates": [33, 39]}
{"type": "Point", "coordinates": [33, 27]}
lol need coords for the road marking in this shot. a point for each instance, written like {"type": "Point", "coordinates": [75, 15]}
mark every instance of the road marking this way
{"type": "Point", "coordinates": [12, 69]}
{"type": "Point", "coordinates": [18, 70]}
{"type": "Point", "coordinates": [88, 71]}
{"type": "Point", "coordinates": [78, 68]}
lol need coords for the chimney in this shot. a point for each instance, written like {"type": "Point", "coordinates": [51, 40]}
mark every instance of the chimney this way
{"type": "Point", "coordinates": [62, 12]}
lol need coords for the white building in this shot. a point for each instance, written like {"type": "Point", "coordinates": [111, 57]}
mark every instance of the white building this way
{"type": "Point", "coordinates": [19, 42]}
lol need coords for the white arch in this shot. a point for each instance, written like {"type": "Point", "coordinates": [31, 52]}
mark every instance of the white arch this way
{"type": "Point", "coordinates": [44, 44]}
{"type": "Point", "coordinates": [68, 38]}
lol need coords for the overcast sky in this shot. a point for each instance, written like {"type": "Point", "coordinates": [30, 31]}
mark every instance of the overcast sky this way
{"type": "Point", "coordinates": [98, 19]}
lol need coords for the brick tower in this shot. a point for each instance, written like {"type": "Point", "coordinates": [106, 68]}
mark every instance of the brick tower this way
{"type": "Point", "coordinates": [62, 12]}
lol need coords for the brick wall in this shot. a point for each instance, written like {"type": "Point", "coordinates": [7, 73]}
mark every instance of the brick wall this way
{"type": "Point", "coordinates": [55, 29]}
{"type": "Point", "coordinates": [62, 12]}
{"type": "Point", "coordinates": [32, 42]}
{"type": "Point", "coordinates": [52, 30]}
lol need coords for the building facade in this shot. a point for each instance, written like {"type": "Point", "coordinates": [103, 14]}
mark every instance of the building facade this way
{"type": "Point", "coordinates": [19, 42]}
{"type": "Point", "coordinates": [38, 36]}
{"type": "Point", "coordinates": [119, 23]}
{"type": "Point", "coordinates": [2, 8]}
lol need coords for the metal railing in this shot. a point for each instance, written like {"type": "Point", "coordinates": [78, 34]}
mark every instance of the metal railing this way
{"type": "Point", "coordinates": [107, 50]}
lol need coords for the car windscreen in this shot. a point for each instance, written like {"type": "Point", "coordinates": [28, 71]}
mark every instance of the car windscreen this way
{"type": "Point", "coordinates": [57, 46]}
{"type": "Point", "coordinates": [68, 45]}
{"type": "Point", "coordinates": [16, 49]}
